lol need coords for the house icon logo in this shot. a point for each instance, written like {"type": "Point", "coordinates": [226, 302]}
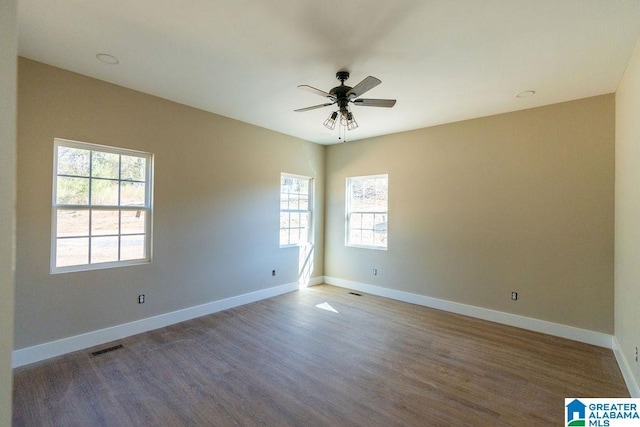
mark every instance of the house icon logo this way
{"type": "Point", "coordinates": [576, 413]}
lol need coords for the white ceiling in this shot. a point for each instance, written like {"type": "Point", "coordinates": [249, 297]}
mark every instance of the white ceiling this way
{"type": "Point", "coordinates": [443, 60]}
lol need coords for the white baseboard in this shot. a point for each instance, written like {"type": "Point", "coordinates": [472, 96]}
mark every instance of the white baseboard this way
{"type": "Point", "coordinates": [51, 349]}
{"type": "Point", "coordinates": [583, 335]}
{"type": "Point", "coordinates": [59, 347]}
{"type": "Point", "coordinates": [625, 368]}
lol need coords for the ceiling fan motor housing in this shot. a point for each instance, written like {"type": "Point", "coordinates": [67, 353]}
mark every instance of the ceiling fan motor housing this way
{"type": "Point", "coordinates": [340, 92]}
{"type": "Point", "coordinates": [342, 75]}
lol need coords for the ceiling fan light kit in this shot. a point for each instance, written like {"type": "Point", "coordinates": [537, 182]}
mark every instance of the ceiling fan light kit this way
{"type": "Point", "coordinates": [330, 123]}
{"type": "Point", "coordinates": [350, 122]}
{"type": "Point", "coordinates": [343, 95]}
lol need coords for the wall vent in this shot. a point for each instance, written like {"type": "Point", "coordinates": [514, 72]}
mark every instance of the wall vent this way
{"type": "Point", "coordinates": [106, 350]}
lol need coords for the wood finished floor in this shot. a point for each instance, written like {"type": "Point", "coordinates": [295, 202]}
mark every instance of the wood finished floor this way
{"type": "Point", "coordinates": [285, 362]}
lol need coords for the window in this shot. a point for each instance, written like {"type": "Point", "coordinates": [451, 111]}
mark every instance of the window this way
{"type": "Point", "coordinates": [101, 214]}
{"type": "Point", "coordinates": [296, 194]}
{"type": "Point", "coordinates": [367, 211]}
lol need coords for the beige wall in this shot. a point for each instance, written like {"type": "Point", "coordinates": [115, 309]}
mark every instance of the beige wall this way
{"type": "Point", "coordinates": [8, 51]}
{"type": "Point", "coordinates": [627, 232]}
{"type": "Point", "coordinates": [216, 206]}
{"type": "Point", "coordinates": [521, 201]}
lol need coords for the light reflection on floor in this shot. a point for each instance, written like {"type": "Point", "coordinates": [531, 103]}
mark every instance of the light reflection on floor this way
{"type": "Point", "coordinates": [326, 306]}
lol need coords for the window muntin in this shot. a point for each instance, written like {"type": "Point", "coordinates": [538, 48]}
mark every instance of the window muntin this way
{"type": "Point", "coordinates": [101, 214]}
{"type": "Point", "coordinates": [367, 213]}
{"type": "Point", "coordinates": [296, 208]}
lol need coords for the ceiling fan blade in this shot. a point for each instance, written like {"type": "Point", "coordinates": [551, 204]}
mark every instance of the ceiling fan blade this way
{"type": "Point", "coordinates": [299, 110]}
{"type": "Point", "coordinates": [365, 85]}
{"type": "Point", "coordinates": [316, 91]}
{"type": "Point", "coordinates": [387, 103]}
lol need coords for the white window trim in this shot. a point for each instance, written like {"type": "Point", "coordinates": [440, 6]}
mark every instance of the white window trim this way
{"type": "Point", "coordinates": [348, 212]}
{"type": "Point", "coordinates": [148, 208]}
{"type": "Point", "coordinates": [310, 210]}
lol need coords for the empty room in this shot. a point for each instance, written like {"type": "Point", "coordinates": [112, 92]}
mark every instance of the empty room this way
{"type": "Point", "coordinates": [303, 213]}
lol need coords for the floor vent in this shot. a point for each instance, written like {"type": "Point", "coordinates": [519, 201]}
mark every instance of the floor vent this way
{"type": "Point", "coordinates": [353, 293]}
{"type": "Point", "coordinates": [107, 350]}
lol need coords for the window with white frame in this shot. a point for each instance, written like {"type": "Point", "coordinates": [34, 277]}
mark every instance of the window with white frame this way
{"type": "Point", "coordinates": [101, 214]}
{"type": "Point", "coordinates": [367, 211]}
{"type": "Point", "coordinates": [296, 204]}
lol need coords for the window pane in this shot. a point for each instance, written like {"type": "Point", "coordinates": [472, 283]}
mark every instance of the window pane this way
{"type": "Point", "coordinates": [367, 221]}
{"type": "Point", "coordinates": [356, 221]}
{"type": "Point", "coordinates": [303, 186]}
{"type": "Point", "coordinates": [71, 223]}
{"type": "Point", "coordinates": [380, 223]}
{"type": "Point", "coordinates": [303, 202]}
{"type": "Point", "coordinates": [284, 236]}
{"type": "Point", "coordinates": [104, 192]}
{"type": "Point", "coordinates": [105, 165]}
{"type": "Point", "coordinates": [294, 236]}
{"type": "Point", "coordinates": [293, 202]}
{"type": "Point", "coordinates": [104, 222]}
{"type": "Point", "coordinates": [285, 183]}
{"type": "Point", "coordinates": [284, 201]}
{"type": "Point", "coordinates": [304, 220]}
{"type": "Point", "coordinates": [380, 230]}
{"type": "Point", "coordinates": [133, 168]}
{"type": "Point", "coordinates": [133, 222]}
{"type": "Point", "coordinates": [72, 252]}
{"type": "Point", "coordinates": [72, 191]}
{"type": "Point", "coordinates": [73, 161]}
{"type": "Point", "coordinates": [355, 236]}
{"type": "Point", "coordinates": [367, 237]}
{"type": "Point", "coordinates": [284, 220]}
{"type": "Point", "coordinates": [369, 195]}
{"type": "Point", "coordinates": [294, 221]}
{"type": "Point", "coordinates": [104, 249]}
{"type": "Point", "coordinates": [132, 247]}
{"type": "Point", "coordinates": [356, 195]}
{"type": "Point", "coordinates": [381, 195]}
{"type": "Point", "coordinates": [132, 194]}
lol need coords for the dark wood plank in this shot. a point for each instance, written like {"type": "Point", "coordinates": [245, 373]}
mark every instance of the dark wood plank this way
{"type": "Point", "coordinates": [286, 362]}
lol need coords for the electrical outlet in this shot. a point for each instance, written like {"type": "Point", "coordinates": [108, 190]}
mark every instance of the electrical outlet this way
{"type": "Point", "coordinates": [273, 272]}
{"type": "Point", "coordinates": [141, 299]}
{"type": "Point", "coordinates": [514, 296]}
{"type": "Point", "coordinates": [375, 271]}
{"type": "Point", "coordinates": [636, 354]}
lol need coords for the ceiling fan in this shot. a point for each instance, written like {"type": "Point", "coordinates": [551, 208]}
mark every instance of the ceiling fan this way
{"type": "Point", "coordinates": [343, 95]}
